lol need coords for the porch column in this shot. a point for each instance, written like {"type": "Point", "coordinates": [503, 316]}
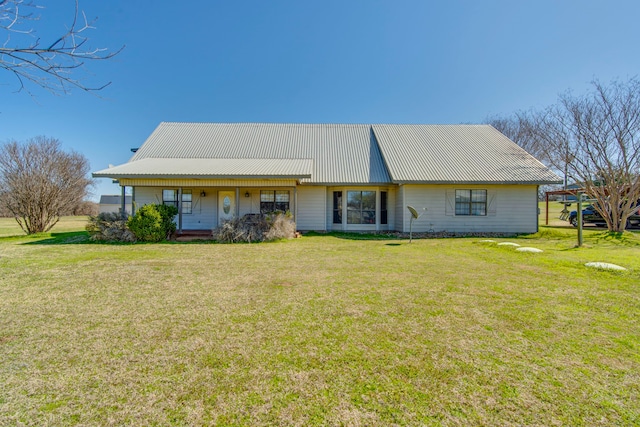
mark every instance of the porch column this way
{"type": "Point", "coordinates": [123, 212]}
{"type": "Point", "coordinates": [295, 204]}
{"type": "Point", "coordinates": [133, 201]}
{"type": "Point", "coordinates": [237, 202]}
{"type": "Point", "coordinates": [180, 210]}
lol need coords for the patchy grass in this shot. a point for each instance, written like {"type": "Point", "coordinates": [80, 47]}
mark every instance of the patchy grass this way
{"type": "Point", "coordinates": [322, 330]}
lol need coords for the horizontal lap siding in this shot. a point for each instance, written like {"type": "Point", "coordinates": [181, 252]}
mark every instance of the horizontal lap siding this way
{"type": "Point", "coordinates": [312, 208]}
{"type": "Point", "coordinates": [203, 216]}
{"type": "Point", "coordinates": [516, 210]}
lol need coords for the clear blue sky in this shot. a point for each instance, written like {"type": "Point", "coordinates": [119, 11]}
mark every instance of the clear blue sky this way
{"type": "Point", "coordinates": [347, 61]}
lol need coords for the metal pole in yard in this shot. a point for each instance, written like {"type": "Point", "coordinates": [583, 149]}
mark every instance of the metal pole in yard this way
{"type": "Point", "coordinates": [579, 219]}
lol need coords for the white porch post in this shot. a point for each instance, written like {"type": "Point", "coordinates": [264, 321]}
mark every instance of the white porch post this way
{"type": "Point", "coordinates": [180, 210]}
{"type": "Point", "coordinates": [123, 205]}
{"type": "Point", "coordinates": [237, 202]}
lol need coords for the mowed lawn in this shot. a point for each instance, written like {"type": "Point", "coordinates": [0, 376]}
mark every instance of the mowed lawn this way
{"type": "Point", "coordinates": [322, 330]}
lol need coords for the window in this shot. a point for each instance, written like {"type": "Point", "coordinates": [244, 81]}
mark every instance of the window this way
{"type": "Point", "coordinates": [337, 207]}
{"type": "Point", "coordinates": [383, 207]}
{"type": "Point", "coordinates": [361, 207]}
{"type": "Point", "coordinates": [471, 202]}
{"type": "Point", "coordinates": [186, 202]}
{"type": "Point", "coordinates": [170, 197]}
{"type": "Point", "coordinates": [274, 201]}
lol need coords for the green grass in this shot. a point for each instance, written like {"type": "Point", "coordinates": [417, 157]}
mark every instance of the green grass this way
{"type": "Point", "coordinates": [323, 330]}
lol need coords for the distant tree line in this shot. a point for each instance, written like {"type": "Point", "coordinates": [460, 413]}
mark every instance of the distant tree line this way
{"type": "Point", "coordinates": [592, 140]}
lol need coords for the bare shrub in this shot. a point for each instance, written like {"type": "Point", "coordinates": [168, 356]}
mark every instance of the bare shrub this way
{"type": "Point", "coordinates": [109, 227]}
{"type": "Point", "coordinates": [256, 228]}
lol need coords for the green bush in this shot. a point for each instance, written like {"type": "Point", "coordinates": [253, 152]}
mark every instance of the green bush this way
{"type": "Point", "coordinates": [109, 227]}
{"type": "Point", "coordinates": [153, 223]}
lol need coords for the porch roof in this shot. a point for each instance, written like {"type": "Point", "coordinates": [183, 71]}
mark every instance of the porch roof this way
{"type": "Point", "coordinates": [210, 168]}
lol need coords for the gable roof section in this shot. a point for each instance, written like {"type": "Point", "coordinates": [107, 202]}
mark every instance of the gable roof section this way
{"type": "Point", "coordinates": [457, 154]}
{"type": "Point", "coordinates": [341, 153]}
{"type": "Point", "coordinates": [334, 154]}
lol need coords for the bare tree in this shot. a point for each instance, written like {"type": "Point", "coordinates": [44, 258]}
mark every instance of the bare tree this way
{"type": "Point", "coordinates": [596, 138]}
{"type": "Point", "coordinates": [520, 129]}
{"type": "Point", "coordinates": [50, 64]}
{"type": "Point", "coordinates": [39, 182]}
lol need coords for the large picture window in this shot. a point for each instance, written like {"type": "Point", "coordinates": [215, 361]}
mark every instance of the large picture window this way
{"type": "Point", "coordinates": [471, 202]}
{"type": "Point", "coordinates": [361, 207]}
{"type": "Point", "coordinates": [274, 201]}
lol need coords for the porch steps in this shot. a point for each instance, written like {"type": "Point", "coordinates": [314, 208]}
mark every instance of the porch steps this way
{"type": "Point", "coordinates": [190, 235]}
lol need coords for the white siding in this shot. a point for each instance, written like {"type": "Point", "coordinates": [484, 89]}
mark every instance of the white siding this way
{"type": "Point", "coordinates": [312, 208]}
{"type": "Point", "coordinates": [204, 213]}
{"type": "Point", "coordinates": [512, 209]}
{"type": "Point", "coordinates": [399, 209]}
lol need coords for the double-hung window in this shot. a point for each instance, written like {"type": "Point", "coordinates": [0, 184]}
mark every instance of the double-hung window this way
{"type": "Point", "coordinates": [274, 201]}
{"type": "Point", "coordinates": [471, 202]}
{"type": "Point", "coordinates": [170, 197]}
{"type": "Point", "coordinates": [187, 206]}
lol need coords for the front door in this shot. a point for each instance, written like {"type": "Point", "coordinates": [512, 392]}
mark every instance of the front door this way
{"type": "Point", "coordinates": [226, 206]}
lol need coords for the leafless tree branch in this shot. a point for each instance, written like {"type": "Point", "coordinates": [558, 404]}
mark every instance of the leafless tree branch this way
{"type": "Point", "coordinates": [52, 65]}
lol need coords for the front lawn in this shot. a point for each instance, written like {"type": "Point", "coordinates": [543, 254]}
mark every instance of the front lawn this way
{"type": "Point", "coordinates": [322, 330]}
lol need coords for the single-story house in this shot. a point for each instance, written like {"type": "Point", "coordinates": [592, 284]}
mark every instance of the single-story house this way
{"type": "Point", "coordinates": [348, 177]}
{"type": "Point", "coordinates": [113, 203]}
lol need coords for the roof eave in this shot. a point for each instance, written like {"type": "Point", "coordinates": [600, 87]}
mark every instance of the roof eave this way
{"type": "Point", "coordinates": [453, 182]}
{"type": "Point", "coordinates": [180, 176]}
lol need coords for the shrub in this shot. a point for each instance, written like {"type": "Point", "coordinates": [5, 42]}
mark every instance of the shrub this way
{"type": "Point", "coordinates": [153, 223]}
{"type": "Point", "coordinates": [109, 227]}
{"type": "Point", "coordinates": [256, 228]}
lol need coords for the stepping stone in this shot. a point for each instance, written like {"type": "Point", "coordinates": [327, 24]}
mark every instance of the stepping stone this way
{"type": "Point", "coordinates": [532, 250]}
{"type": "Point", "coordinates": [605, 266]}
{"type": "Point", "coordinates": [508, 244]}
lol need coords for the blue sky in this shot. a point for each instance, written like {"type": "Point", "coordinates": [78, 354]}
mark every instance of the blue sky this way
{"type": "Point", "coordinates": [348, 61]}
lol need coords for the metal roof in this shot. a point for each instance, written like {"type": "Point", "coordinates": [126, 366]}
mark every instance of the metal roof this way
{"type": "Point", "coordinates": [210, 168]}
{"type": "Point", "coordinates": [457, 154]}
{"type": "Point", "coordinates": [341, 153]}
{"type": "Point", "coordinates": [334, 154]}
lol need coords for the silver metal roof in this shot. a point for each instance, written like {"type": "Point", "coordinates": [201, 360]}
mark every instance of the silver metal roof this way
{"type": "Point", "coordinates": [334, 154]}
{"type": "Point", "coordinates": [341, 153]}
{"type": "Point", "coordinates": [210, 168]}
{"type": "Point", "coordinates": [457, 154]}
